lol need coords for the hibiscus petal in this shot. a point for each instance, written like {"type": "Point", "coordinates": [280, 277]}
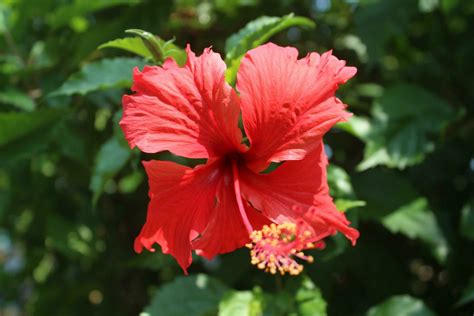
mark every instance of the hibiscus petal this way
{"type": "Point", "coordinates": [288, 104]}
{"type": "Point", "coordinates": [225, 231]}
{"type": "Point", "coordinates": [297, 190]}
{"type": "Point", "coordinates": [190, 111]}
{"type": "Point", "coordinates": [181, 200]}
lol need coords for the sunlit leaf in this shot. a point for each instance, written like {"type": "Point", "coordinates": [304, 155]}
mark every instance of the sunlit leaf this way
{"type": "Point", "coordinates": [159, 49]}
{"type": "Point", "coordinates": [357, 126]}
{"type": "Point", "coordinates": [18, 99]}
{"type": "Point", "coordinates": [111, 158]}
{"type": "Point", "coordinates": [406, 120]}
{"type": "Point", "coordinates": [341, 189]}
{"type": "Point", "coordinates": [259, 31]}
{"type": "Point", "coordinates": [401, 305]}
{"type": "Point", "coordinates": [345, 198]}
{"type": "Point", "coordinates": [309, 299]}
{"type": "Point", "coordinates": [101, 75]}
{"type": "Point", "coordinates": [132, 44]}
{"type": "Point", "coordinates": [416, 221]}
{"type": "Point", "coordinates": [44, 268]}
{"type": "Point", "coordinates": [196, 295]}
{"type": "Point", "coordinates": [237, 303]}
{"type": "Point", "coordinates": [4, 17]}
{"type": "Point", "coordinates": [255, 33]}
{"type": "Point", "coordinates": [339, 182]}
{"type": "Point", "coordinates": [428, 5]}
{"type": "Point", "coordinates": [130, 183]}
{"type": "Point", "coordinates": [371, 90]}
{"type": "Point", "coordinates": [343, 205]}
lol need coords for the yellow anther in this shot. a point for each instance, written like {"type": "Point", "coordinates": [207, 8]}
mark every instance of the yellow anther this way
{"type": "Point", "coordinates": [274, 248]}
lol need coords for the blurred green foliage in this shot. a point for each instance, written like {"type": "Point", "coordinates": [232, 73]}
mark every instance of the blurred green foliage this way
{"type": "Point", "coordinates": [73, 195]}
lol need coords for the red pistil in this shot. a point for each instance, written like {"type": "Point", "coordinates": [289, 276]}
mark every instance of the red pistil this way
{"type": "Point", "coordinates": [238, 197]}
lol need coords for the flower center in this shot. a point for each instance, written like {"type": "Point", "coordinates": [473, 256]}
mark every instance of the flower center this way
{"type": "Point", "coordinates": [276, 247]}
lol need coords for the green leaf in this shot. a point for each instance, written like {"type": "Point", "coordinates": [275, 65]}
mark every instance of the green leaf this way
{"type": "Point", "coordinates": [101, 75]}
{"type": "Point", "coordinates": [18, 99]}
{"type": "Point", "coordinates": [15, 125]}
{"type": "Point", "coordinates": [44, 268]}
{"type": "Point", "coordinates": [230, 7]}
{"type": "Point", "coordinates": [111, 158]}
{"type": "Point", "coordinates": [339, 182]}
{"type": "Point", "coordinates": [11, 65]}
{"type": "Point", "coordinates": [160, 49]}
{"type": "Point", "coordinates": [151, 43]}
{"type": "Point", "coordinates": [468, 294]}
{"type": "Point", "coordinates": [309, 299]}
{"type": "Point", "coordinates": [448, 5]}
{"type": "Point", "coordinates": [26, 147]}
{"type": "Point", "coordinates": [341, 189]}
{"type": "Point", "coordinates": [357, 126]}
{"type": "Point", "coordinates": [427, 6]}
{"type": "Point", "coordinates": [5, 193]}
{"type": "Point", "coordinates": [259, 31]}
{"type": "Point", "coordinates": [195, 295]}
{"type": "Point", "coordinates": [378, 21]}
{"type": "Point", "coordinates": [173, 51]}
{"type": "Point", "coordinates": [130, 183]}
{"type": "Point", "coordinates": [4, 18]}
{"type": "Point", "coordinates": [406, 120]}
{"type": "Point", "coordinates": [279, 304]}
{"type": "Point", "coordinates": [376, 187]}
{"type": "Point", "coordinates": [401, 305]}
{"type": "Point", "coordinates": [371, 90]}
{"type": "Point", "coordinates": [256, 33]}
{"type": "Point", "coordinates": [71, 142]}
{"type": "Point", "coordinates": [343, 205]}
{"type": "Point", "coordinates": [132, 44]}
{"type": "Point", "coordinates": [345, 198]}
{"type": "Point", "coordinates": [416, 221]}
{"type": "Point", "coordinates": [66, 13]}
{"type": "Point", "coordinates": [67, 237]}
{"type": "Point", "coordinates": [467, 220]}
{"type": "Point", "coordinates": [154, 261]}
{"type": "Point", "coordinates": [241, 303]}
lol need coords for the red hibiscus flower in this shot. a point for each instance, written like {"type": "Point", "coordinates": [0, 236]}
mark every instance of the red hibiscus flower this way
{"type": "Point", "coordinates": [287, 105]}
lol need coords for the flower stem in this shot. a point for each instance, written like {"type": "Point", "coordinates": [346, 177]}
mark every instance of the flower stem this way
{"type": "Point", "coordinates": [238, 197]}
